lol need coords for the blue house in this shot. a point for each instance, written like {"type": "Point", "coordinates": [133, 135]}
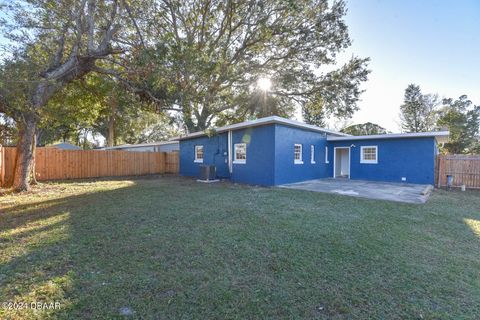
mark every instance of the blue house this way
{"type": "Point", "coordinates": [274, 151]}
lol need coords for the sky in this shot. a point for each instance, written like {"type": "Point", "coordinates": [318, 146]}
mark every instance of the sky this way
{"type": "Point", "coordinates": [432, 43]}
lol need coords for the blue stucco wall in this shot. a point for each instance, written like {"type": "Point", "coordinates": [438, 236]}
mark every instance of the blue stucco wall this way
{"type": "Point", "coordinates": [214, 153]}
{"type": "Point", "coordinates": [286, 171]}
{"type": "Point", "coordinates": [259, 167]}
{"type": "Point", "coordinates": [270, 157]}
{"type": "Point", "coordinates": [413, 158]}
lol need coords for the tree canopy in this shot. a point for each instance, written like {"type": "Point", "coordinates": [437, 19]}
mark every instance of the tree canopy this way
{"type": "Point", "coordinates": [196, 62]}
{"type": "Point", "coordinates": [424, 112]}
{"type": "Point", "coordinates": [364, 129]}
{"type": "Point", "coordinates": [207, 56]}
{"type": "Point", "coordinates": [51, 44]}
{"type": "Point", "coordinates": [462, 118]}
{"type": "Point", "coordinates": [417, 113]}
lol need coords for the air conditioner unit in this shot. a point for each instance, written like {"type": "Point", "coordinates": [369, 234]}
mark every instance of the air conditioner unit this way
{"type": "Point", "coordinates": [207, 172]}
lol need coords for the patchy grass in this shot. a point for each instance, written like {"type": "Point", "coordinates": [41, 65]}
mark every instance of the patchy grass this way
{"type": "Point", "coordinates": [171, 248]}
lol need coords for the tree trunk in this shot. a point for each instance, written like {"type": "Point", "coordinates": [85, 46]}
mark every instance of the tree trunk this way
{"type": "Point", "coordinates": [111, 121]}
{"type": "Point", "coordinates": [33, 174]}
{"type": "Point", "coordinates": [38, 137]}
{"type": "Point", "coordinates": [24, 157]}
{"type": "Point", "coordinates": [84, 141]}
{"type": "Point", "coordinates": [201, 124]}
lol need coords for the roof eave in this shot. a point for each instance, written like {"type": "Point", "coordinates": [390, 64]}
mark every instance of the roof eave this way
{"type": "Point", "coordinates": [265, 121]}
{"type": "Point", "coordinates": [438, 135]}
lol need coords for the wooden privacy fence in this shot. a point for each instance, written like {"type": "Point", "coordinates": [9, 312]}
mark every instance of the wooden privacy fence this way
{"type": "Point", "coordinates": [55, 164]}
{"type": "Point", "coordinates": [2, 166]}
{"type": "Point", "coordinates": [465, 170]}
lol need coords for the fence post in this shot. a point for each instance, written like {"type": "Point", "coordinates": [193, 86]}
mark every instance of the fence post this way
{"type": "Point", "coordinates": [2, 166]}
{"type": "Point", "coordinates": [440, 163]}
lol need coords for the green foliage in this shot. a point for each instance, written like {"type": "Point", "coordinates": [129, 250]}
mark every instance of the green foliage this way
{"type": "Point", "coordinates": [210, 132]}
{"type": "Point", "coordinates": [196, 61]}
{"type": "Point", "coordinates": [363, 129]}
{"type": "Point", "coordinates": [51, 44]}
{"type": "Point", "coordinates": [8, 131]}
{"type": "Point", "coordinates": [73, 111]}
{"type": "Point", "coordinates": [136, 125]}
{"type": "Point", "coordinates": [462, 119]}
{"type": "Point", "coordinates": [85, 107]}
{"type": "Point", "coordinates": [420, 113]}
{"type": "Point", "coordinates": [16, 86]}
{"type": "Point", "coordinates": [313, 113]}
{"type": "Point", "coordinates": [418, 110]}
{"type": "Point", "coordinates": [209, 55]}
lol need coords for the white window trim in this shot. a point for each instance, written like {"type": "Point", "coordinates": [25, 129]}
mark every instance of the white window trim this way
{"type": "Point", "coordinates": [298, 161]}
{"type": "Point", "coordinates": [312, 154]}
{"type": "Point", "coordinates": [239, 161]}
{"type": "Point", "coordinates": [326, 155]}
{"type": "Point", "coordinates": [369, 161]}
{"type": "Point", "coordinates": [196, 159]}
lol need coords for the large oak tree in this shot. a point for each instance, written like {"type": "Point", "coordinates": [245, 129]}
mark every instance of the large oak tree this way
{"type": "Point", "coordinates": [199, 59]}
{"type": "Point", "coordinates": [51, 44]}
{"type": "Point", "coordinates": [207, 56]}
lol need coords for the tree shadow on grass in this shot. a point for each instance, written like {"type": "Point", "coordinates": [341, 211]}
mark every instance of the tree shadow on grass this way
{"type": "Point", "coordinates": [86, 251]}
{"type": "Point", "coordinates": [170, 248]}
{"type": "Point", "coordinates": [41, 252]}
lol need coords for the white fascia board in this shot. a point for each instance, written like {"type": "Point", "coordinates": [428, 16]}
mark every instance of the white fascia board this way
{"type": "Point", "coordinates": [265, 121]}
{"type": "Point", "coordinates": [439, 135]}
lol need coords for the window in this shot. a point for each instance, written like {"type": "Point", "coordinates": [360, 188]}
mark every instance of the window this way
{"type": "Point", "coordinates": [368, 154]}
{"type": "Point", "coordinates": [298, 154]}
{"type": "Point", "coordinates": [326, 155]}
{"type": "Point", "coordinates": [312, 154]}
{"type": "Point", "coordinates": [198, 154]}
{"type": "Point", "coordinates": [240, 154]}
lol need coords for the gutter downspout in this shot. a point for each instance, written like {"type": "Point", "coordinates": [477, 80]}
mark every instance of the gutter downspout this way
{"type": "Point", "coordinates": [230, 167]}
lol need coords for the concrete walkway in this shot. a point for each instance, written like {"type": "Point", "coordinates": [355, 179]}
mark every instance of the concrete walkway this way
{"type": "Point", "coordinates": [401, 192]}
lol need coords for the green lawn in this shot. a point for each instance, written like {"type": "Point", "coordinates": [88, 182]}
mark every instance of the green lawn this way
{"type": "Point", "coordinates": [171, 248]}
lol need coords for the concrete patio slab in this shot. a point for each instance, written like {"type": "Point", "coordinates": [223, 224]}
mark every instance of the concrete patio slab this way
{"type": "Point", "coordinates": [401, 192]}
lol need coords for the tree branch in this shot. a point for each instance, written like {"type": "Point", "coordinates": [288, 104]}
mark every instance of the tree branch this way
{"type": "Point", "coordinates": [134, 22]}
{"type": "Point", "coordinates": [132, 88]}
{"type": "Point", "coordinates": [90, 25]}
